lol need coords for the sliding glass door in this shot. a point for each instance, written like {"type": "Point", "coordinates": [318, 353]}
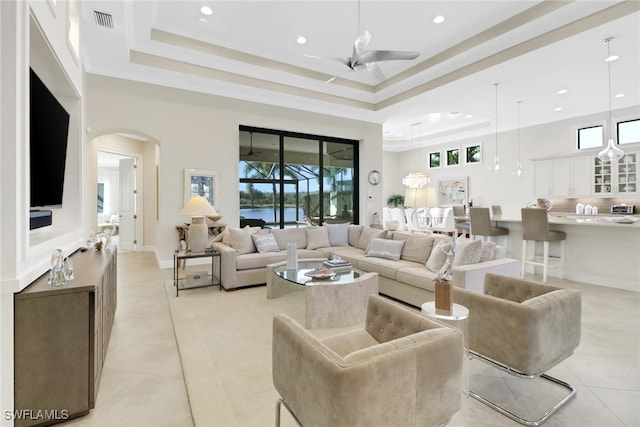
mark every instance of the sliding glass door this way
{"type": "Point", "coordinates": [290, 179]}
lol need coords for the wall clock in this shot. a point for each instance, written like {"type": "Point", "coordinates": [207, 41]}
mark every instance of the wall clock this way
{"type": "Point", "coordinates": [374, 177]}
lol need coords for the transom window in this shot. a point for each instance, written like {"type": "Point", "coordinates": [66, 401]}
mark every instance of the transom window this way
{"type": "Point", "coordinates": [590, 137]}
{"type": "Point", "coordinates": [628, 131]}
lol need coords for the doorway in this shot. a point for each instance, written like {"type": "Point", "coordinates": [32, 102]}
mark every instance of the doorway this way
{"type": "Point", "coordinates": [119, 198]}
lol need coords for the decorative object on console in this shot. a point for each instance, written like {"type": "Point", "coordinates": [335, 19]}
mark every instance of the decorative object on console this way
{"type": "Point", "coordinates": [292, 256]}
{"type": "Point", "coordinates": [444, 300]}
{"type": "Point", "coordinates": [198, 207]}
{"type": "Point", "coordinates": [496, 166]}
{"type": "Point", "coordinates": [610, 152]}
{"type": "Point", "coordinates": [56, 274]}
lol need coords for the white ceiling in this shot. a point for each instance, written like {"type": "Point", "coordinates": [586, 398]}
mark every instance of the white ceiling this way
{"type": "Point", "coordinates": [247, 50]}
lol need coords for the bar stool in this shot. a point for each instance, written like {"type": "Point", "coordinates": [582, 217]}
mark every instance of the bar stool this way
{"type": "Point", "coordinates": [481, 224]}
{"type": "Point", "coordinates": [535, 226]}
{"type": "Point", "coordinates": [463, 227]}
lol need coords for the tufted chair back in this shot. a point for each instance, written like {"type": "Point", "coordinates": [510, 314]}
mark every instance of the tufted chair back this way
{"type": "Point", "coordinates": [513, 289]}
{"type": "Point", "coordinates": [385, 322]}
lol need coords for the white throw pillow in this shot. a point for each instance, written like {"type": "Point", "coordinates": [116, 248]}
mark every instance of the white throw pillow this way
{"type": "Point", "coordinates": [265, 242]}
{"type": "Point", "coordinates": [241, 240]}
{"type": "Point", "coordinates": [467, 252]}
{"type": "Point", "coordinates": [317, 237]}
{"type": "Point", "coordinates": [338, 234]}
{"type": "Point", "coordinates": [488, 251]}
{"type": "Point", "coordinates": [385, 248]}
{"type": "Point", "coordinates": [438, 255]}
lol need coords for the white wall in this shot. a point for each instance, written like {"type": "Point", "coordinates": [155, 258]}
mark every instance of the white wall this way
{"type": "Point", "coordinates": [487, 188]}
{"type": "Point", "coordinates": [200, 131]}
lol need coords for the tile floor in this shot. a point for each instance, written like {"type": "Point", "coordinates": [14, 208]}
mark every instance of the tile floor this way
{"type": "Point", "coordinates": [225, 358]}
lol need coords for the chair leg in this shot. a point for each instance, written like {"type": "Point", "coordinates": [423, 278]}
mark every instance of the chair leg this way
{"type": "Point", "coordinates": [572, 393]}
{"type": "Point", "coordinates": [279, 403]}
{"type": "Point", "coordinates": [524, 258]}
{"type": "Point", "coordinates": [545, 261]}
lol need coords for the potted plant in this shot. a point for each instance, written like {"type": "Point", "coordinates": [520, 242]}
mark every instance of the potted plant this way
{"type": "Point", "coordinates": [395, 200]}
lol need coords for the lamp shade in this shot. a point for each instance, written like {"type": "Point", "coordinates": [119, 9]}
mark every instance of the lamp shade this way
{"type": "Point", "coordinates": [198, 206]}
{"type": "Point", "coordinates": [415, 197]}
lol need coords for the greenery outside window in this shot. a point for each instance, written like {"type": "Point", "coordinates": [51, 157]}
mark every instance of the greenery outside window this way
{"type": "Point", "coordinates": [288, 179]}
{"type": "Point", "coordinates": [453, 157]}
{"type": "Point", "coordinates": [473, 154]}
{"type": "Point", "coordinates": [434, 159]}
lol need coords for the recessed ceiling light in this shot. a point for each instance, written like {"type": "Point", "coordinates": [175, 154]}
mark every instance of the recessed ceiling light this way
{"type": "Point", "coordinates": [438, 19]}
{"type": "Point", "coordinates": [612, 58]}
{"type": "Point", "coordinates": [557, 109]}
{"type": "Point", "coordinates": [202, 20]}
{"type": "Point", "coordinates": [468, 116]}
{"type": "Point", "coordinates": [301, 40]}
{"type": "Point", "coordinates": [206, 10]}
{"type": "Point", "coordinates": [620, 95]}
{"type": "Point", "coordinates": [562, 91]}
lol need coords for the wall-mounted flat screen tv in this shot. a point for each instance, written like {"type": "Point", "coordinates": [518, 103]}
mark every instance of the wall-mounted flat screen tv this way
{"type": "Point", "coordinates": [48, 145]}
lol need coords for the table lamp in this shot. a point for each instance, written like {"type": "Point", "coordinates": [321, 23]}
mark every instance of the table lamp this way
{"type": "Point", "coordinates": [197, 208]}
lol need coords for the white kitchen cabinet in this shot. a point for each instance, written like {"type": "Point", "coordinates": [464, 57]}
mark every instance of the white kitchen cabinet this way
{"type": "Point", "coordinates": [563, 177]}
{"type": "Point", "coordinates": [619, 177]}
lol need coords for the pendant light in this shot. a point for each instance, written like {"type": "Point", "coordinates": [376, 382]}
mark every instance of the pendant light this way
{"type": "Point", "coordinates": [519, 169]}
{"type": "Point", "coordinates": [496, 166]}
{"type": "Point", "coordinates": [611, 152]}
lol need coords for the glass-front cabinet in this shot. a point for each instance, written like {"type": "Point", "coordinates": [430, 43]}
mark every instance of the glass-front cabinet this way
{"type": "Point", "coordinates": [619, 177]}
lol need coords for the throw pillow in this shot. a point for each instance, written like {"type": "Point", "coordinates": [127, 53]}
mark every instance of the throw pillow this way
{"type": "Point", "coordinates": [369, 233]}
{"type": "Point", "coordinates": [467, 252]}
{"type": "Point", "coordinates": [488, 251]}
{"type": "Point", "coordinates": [317, 237]}
{"type": "Point", "coordinates": [241, 240]}
{"type": "Point", "coordinates": [354, 234]}
{"type": "Point", "coordinates": [284, 236]}
{"type": "Point", "coordinates": [338, 234]}
{"type": "Point", "coordinates": [416, 249]}
{"type": "Point", "coordinates": [265, 242]}
{"type": "Point", "coordinates": [438, 255]}
{"type": "Point", "coordinates": [385, 248]}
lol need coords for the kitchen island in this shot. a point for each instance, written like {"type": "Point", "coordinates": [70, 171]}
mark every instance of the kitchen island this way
{"type": "Point", "coordinates": [600, 249]}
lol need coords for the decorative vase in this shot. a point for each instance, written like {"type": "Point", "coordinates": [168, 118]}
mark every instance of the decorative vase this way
{"type": "Point", "coordinates": [444, 298]}
{"type": "Point", "coordinates": [292, 256]}
{"type": "Point", "coordinates": [57, 273]}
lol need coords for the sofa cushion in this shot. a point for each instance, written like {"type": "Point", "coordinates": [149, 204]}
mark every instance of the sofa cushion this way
{"type": "Point", "coordinates": [416, 248]}
{"type": "Point", "coordinates": [317, 237]}
{"type": "Point", "coordinates": [438, 255]}
{"type": "Point", "coordinates": [367, 234]}
{"type": "Point", "coordinates": [285, 236]}
{"type": "Point", "coordinates": [354, 234]}
{"type": "Point", "coordinates": [467, 252]}
{"type": "Point", "coordinates": [241, 240]}
{"type": "Point", "coordinates": [488, 251]}
{"type": "Point", "coordinates": [265, 242]}
{"type": "Point", "coordinates": [385, 248]}
{"type": "Point", "coordinates": [338, 234]}
{"type": "Point", "coordinates": [384, 267]}
{"type": "Point", "coordinates": [419, 277]}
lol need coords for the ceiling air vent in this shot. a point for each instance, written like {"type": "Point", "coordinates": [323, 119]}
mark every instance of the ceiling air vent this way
{"type": "Point", "coordinates": [103, 19]}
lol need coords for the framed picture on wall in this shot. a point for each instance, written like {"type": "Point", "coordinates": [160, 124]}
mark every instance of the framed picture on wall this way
{"type": "Point", "coordinates": [434, 160]}
{"type": "Point", "coordinates": [472, 154]}
{"type": "Point", "coordinates": [201, 183]}
{"type": "Point", "coordinates": [453, 191]}
{"type": "Point", "coordinates": [452, 156]}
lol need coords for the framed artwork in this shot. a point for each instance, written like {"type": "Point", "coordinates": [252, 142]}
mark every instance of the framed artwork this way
{"type": "Point", "coordinates": [453, 191]}
{"type": "Point", "coordinates": [201, 183]}
{"type": "Point", "coordinates": [472, 154]}
{"type": "Point", "coordinates": [434, 159]}
{"type": "Point", "coordinates": [452, 156]}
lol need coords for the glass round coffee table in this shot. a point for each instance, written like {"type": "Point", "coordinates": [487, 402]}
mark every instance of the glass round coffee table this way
{"type": "Point", "coordinates": [332, 299]}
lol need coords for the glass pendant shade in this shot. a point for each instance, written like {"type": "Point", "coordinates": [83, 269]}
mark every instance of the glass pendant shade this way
{"type": "Point", "coordinates": [611, 152]}
{"type": "Point", "coordinates": [519, 172]}
{"type": "Point", "coordinates": [496, 166]}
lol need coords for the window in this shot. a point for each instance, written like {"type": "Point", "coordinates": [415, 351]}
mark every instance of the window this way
{"type": "Point", "coordinates": [434, 159]}
{"type": "Point", "coordinates": [628, 131]}
{"type": "Point", "coordinates": [289, 179]}
{"type": "Point", "coordinates": [473, 154]}
{"type": "Point", "coordinates": [590, 137]}
{"type": "Point", "coordinates": [453, 157]}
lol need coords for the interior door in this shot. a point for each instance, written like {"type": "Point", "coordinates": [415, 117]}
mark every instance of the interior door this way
{"type": "Point", "coordinates": [128, 215]}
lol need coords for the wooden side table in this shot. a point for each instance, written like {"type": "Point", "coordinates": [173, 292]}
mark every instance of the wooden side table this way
{"type": "Point", "coordinates": [183, 256]}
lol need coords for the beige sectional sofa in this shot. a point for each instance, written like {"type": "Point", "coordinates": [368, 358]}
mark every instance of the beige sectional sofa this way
{"type": "Point", "coordinates": [405, 262]}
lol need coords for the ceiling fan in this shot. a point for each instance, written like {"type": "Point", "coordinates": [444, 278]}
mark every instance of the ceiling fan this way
{"type": "Point", "coordinates": [362, 59]}
{"type": "Point", "coordinates": [251, 152]}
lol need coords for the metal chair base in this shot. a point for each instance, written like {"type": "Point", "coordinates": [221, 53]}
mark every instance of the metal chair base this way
{"type": "Point", "coordinates": [280, 402]}
{"type": "Point", "coordinates": [515, 417]}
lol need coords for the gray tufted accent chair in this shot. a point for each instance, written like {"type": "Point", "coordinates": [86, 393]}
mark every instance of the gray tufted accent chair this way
{"type": "Point", "coordinates": [400, 369]}
{"type": "Point", "coordinates": [523, 328]}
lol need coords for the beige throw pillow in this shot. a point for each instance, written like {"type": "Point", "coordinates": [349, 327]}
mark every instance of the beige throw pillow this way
{"type": "Point", "coordinates": [385, 248]}
{"type": "Point", "coordinates": [416, 249]}
{"type": "Point", "coordinates": [369, 233]}
{"type": "Point", "coordinates": [488, 251]}
{"type": "Point", "coordinates": [317, 237]}
{"type": "Point", "coordinates": [241, 240]}
{"type": "Point", "coordinates": [438, 256]}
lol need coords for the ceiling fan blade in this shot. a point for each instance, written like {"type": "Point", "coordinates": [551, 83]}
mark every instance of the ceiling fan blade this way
{"type": "Point", "coordinates": [385, 55]}
{"type": "Point", "coordinates": [344, 60]}
{"type": "Point", "coordinates": [361, 43]}
{"type": "Point", "coordinates": [376, 71]}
